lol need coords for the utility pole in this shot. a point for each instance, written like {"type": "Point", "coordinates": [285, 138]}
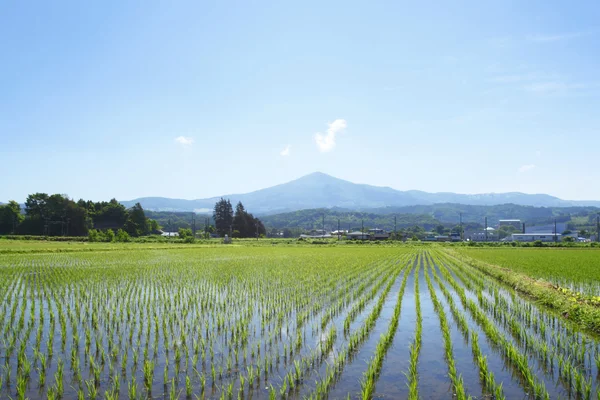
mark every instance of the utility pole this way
{"type": "Point", "coordinates": [193, 224]}
{"type": "Point", "coordinates": [395, 234]}
{"type": "Point", "coordinates": [170, 227]}
{"type": "Point", "coordinates": [554, 230]}
{"type": "Point", "coordinates": [598, 228]}
{"type": "Point", "coordinates": [339, 234]}
{"type": "Point", "coordinates": [486, 232]}
{"type": "Point", "coordinates": [323, 232]}
{"type": "Point", "coordinates": [461, 228]}
{"type": "Point", "coordinates": [362, 230]}
{"type": "Point", "coordinates": [256, 230]}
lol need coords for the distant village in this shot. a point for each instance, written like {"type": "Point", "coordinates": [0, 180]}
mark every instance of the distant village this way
{"type": "Point", "coordinates": [516, 229]}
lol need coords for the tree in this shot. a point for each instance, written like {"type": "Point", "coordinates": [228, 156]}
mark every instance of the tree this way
{"type": "Point", "coordinates": [153, 225]}
{"type": "Point", "coordinates": [223, 216]}
{"type": "Point", "coordinates": [440, 229]}
{"type": "Point", "coordinates": [10, 217]}
{"type": "Point", "coordinates": [185, 232]}
{"type": "Point", "coordinates": [122, 236]}
{"type": "Point", "coordinates": [241, 221]}
{"type": "Point", "coordinates": [136, 223]}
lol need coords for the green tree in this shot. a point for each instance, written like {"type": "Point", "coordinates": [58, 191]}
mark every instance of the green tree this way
{"type": "Point", "coordinates": [223, 216]}
{"type": "Point", "coordinates": [136, 223]}
{"type": "Point", "coordinates": [153, 225]}
{"type": "Point", "coordinates": [185, 233]}
{"type": "Point", "coordinates": [109, 235]}
{"type": "Point", "coordinates": [122, 236]}
{"type": "Point", "coordinates": [10, 217]}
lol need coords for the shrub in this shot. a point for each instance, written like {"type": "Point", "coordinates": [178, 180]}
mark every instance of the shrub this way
{"type": "Point", "coordinates": [122, 236]}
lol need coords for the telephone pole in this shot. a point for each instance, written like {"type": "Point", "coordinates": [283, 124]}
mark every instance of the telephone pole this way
{"type": "Point", "coordinates": [554, 230]}
{"type": "Point", "coordinates": [323, 231]}
{"type": "Point", "coordinates": [362, 230]}
{"type": "Point", "coordinates": [395, 234]}
{"type": "Point", "coordinates": [339, 234]}
{"type": "Point", "coordinates": [461, 228]}
{"type": "Point", "coordinates": [598, 228]}
{"type": "Point", "coordinates": [486, 231]}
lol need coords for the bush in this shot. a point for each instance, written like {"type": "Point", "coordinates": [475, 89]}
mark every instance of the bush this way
{"type": "Point", "coordinates": [538, 243]}
{"type": "Point", "coordinates": [189, 239]}
{"type": "Point", "coordinates": [93, 235]}
{"type": "Point", "coordinates": [185, 233]}
{"type": "Point", "coordinates": [109, 236]}
{"type": "Point", "coordinates": [122, 236]}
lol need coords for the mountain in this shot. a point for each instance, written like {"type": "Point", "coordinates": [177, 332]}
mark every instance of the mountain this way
{"type": "Point", "coordinates": [319, 190]}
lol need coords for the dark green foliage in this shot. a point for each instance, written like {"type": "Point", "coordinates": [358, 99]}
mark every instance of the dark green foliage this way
{"type": "Point", "coordinates": [223, 217]}
{"type": "Point", "coordinates": [58, 215]}
{"type": "Point", "coordinates": [136, 223]}
{"type": "Point", "coordinates": [122, 236]}
{"type": "Point", "coordinates": [353, 220]}
{"type": "Point", "coordinates": [185, 233]}
{"type": "Point", "coordinates": [245, 225]}
{"type": "Point", "coordinates": [173, 221]}
{"type": "Point", "coordinates": [10, 217]}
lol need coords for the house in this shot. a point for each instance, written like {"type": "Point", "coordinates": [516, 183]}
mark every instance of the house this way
{"type": "Point", "coordinates": [378, 234]}
{"type": "Point", "coordinates": [311, 236]}
{"type": "Point", "coordinates": [533, 237]}
{"type": "Point", "coordinates": [455, 237]}
{"type": "Point", "coordinates": [357, 235]}
{"type": "Point", "coordinates": [488, 234]}
{"type": "Point", "coordinates": [442, 238]}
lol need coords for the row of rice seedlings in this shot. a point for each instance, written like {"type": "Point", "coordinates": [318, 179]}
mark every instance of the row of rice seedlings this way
{"type": "Point", "coordinates": [372, 373]}
{"type": "Point", "coordinates": [63, 330]}
{"type": "Point", "coordinates": [457, 381]}
{"type": "Point", "coordinates": [574, 378]}
{"type": "Point", "coordinates": [508, 349]}
{"type": "Point", "coordinates": [357, 337]}
{"type": "Point", "coordinates": [571, 371]}
{"type": "Point", "coordinates": [486, 376]}
{"type": "Point", "coordinates": [566, 340]}
{"type": "Point", "coordinates": [415, 347]}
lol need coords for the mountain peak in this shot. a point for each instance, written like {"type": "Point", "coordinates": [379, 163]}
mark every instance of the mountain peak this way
{"type": "Point", "coordinates": [320, 190]}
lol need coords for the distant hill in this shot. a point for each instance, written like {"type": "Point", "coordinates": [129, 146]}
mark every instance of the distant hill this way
{"type": "Point", "coordinates": [319, 190]}
{"type": "Point", "coordinates": [429, 216]}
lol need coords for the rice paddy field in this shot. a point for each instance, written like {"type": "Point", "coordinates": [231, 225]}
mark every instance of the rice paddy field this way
{"type": "Point", "coordinates": [282, 322]}
{"type": "Point", "coordinates": [575, 268]}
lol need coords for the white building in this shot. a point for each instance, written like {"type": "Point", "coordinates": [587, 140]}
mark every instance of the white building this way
{"type": "Point", "coordinates": [532, 237]}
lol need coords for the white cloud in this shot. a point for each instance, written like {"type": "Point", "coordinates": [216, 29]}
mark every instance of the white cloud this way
{"type": "Point", "coordinates": [286, 151]}
{"type": "Point", "coordinates": [526, 168]}
{"type": "Point", "coordinates": [186, 141]}
{"type": "Point", "coordinates": [326, 142]}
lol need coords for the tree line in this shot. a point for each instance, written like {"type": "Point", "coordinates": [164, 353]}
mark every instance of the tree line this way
{"type": "Point", "coordinates": [240, 224]}
{"type": "Point", "coordinates": [58, 215]}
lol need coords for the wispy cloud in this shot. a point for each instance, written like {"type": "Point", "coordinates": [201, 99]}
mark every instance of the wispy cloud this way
{"type": "Point", "coordinates": [184, 140]}
{"type": "Point", "coordinates": [526, 168]}
{"type": "Point", "coordinates": [326, 142]}
{"type": "Point", "coordinates": [553, 87]}
{"type": "Point", "coordinates": [546, 38]}
{"type": "Point", "coordinates": [286, 151]}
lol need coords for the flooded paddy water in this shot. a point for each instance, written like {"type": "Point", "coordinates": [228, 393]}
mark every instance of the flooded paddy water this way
{"type": "Point", "coordinates": [390, 322]}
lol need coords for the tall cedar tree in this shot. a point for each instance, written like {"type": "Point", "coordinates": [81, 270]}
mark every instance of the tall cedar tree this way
{"type": "Point", "coordinates": [223, 216]}
{"type": "Point", "coordinates": [244, 223]}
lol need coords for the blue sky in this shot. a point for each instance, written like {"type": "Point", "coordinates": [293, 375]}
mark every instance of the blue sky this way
{"type": "Point", "coordinates": [195, 99]}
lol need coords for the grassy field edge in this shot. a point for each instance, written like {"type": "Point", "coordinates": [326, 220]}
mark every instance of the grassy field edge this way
{"type": "Point", "coordinates": [571, 307]}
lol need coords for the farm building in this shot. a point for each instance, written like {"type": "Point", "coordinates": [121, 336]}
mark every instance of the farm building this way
{"type": "Point", "coordinates": [357, 235]}
{"type": "Point", "coordinates": [532, 237]}
{"type": "Point", "coordinates": [378, 234]}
